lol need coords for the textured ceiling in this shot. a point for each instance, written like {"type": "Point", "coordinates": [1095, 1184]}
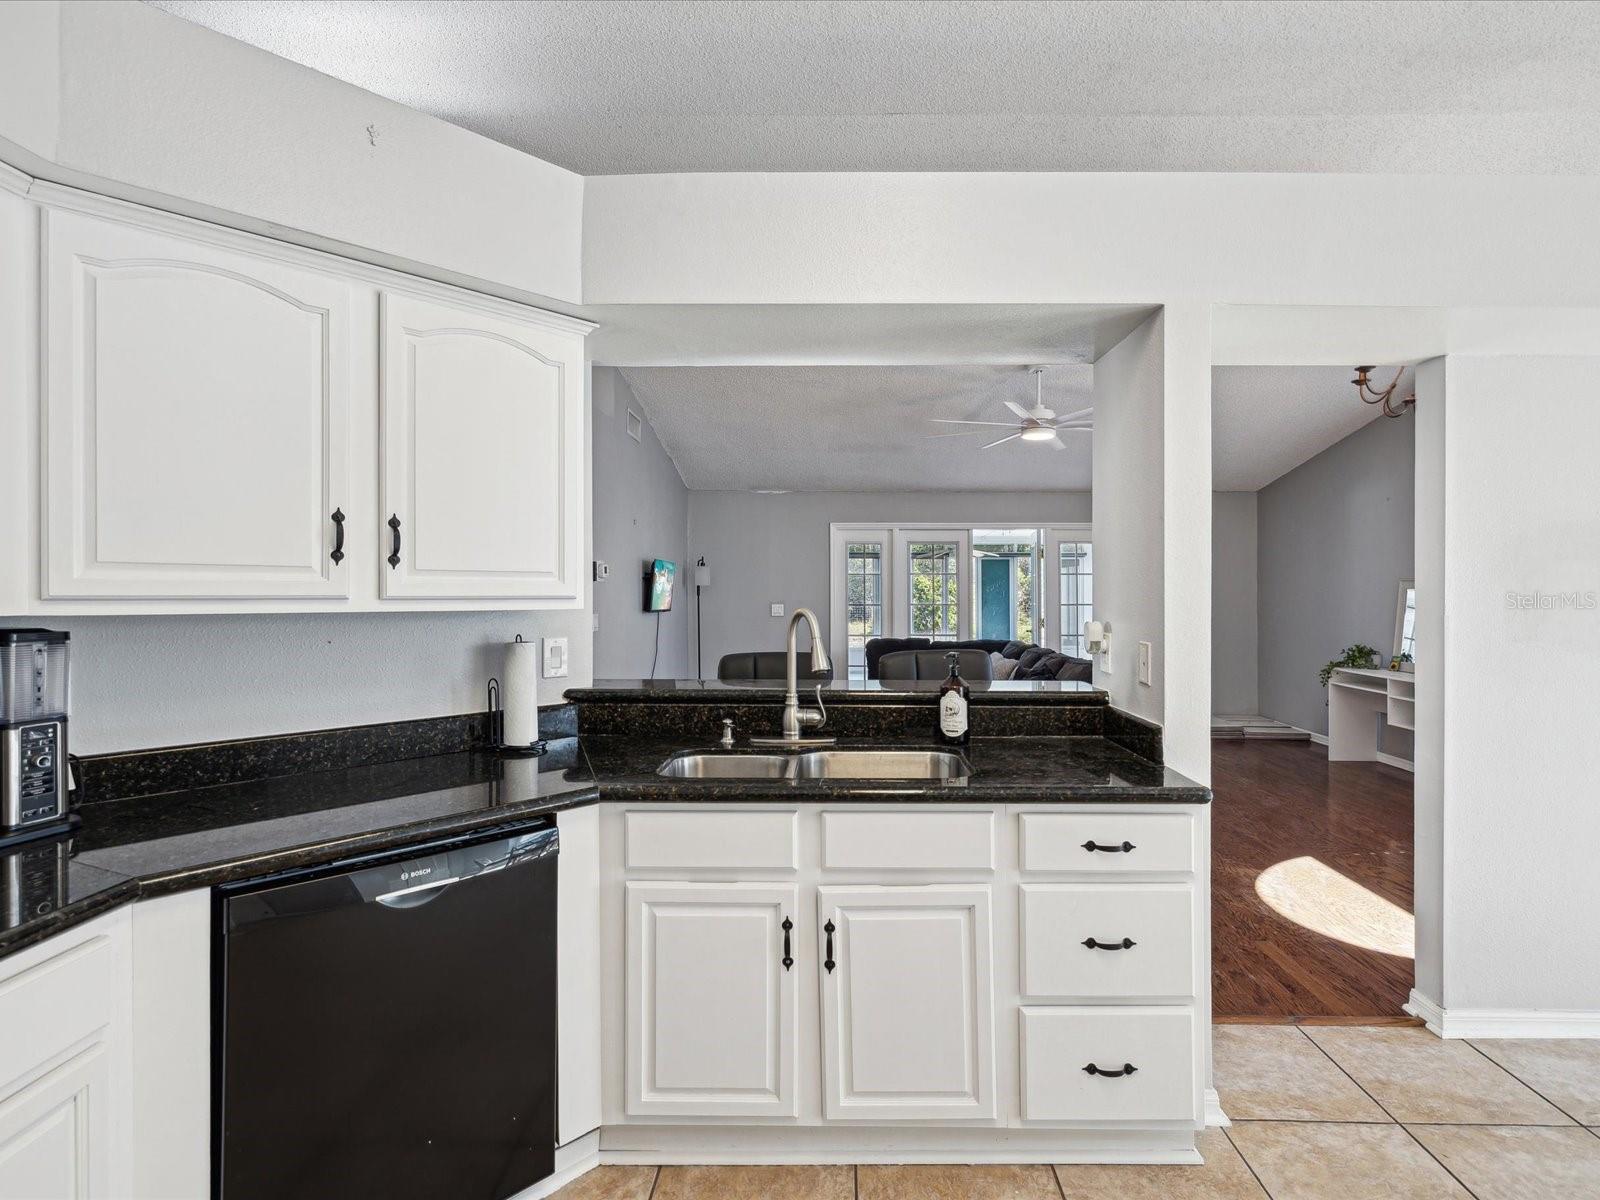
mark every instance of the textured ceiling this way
{"type": "Point", "coordinates": [858, 429]}
{"type": "Point", "coordinates": [861, 428]}
{"type": "Point", "coordinates": [625, 86]}
{"type": "Point", "coordinates": [1265, 421]}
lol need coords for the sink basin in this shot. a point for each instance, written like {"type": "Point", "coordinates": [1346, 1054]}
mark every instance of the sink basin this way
{"type": "Point", "coordinates": [727, 766]}
{"type": "Point", "coordinates": [881, 764]}
{"type": "Point", "coordinates": [820, 764]}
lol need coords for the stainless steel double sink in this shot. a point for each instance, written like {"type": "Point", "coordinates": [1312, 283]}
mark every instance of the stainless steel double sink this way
{"type": "Point", "coordinates": [820, 764]}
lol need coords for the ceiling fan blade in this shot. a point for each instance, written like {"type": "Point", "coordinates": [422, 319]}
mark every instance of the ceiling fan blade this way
{"type": "Point", "coordinates": [1018, 409]}
{"type": "Point", "coordinates": [1082, 412]}
{"type": "Point", "coordinates": [996, 424]}
{"type": "Point", "coordinates": [1074, 427]}
{"type": "Point", "coordinates": [956, 433]}
{"type": "Point", "coordinates": [1002, 440]}
{"type": "Point", "coordinates": [1058, 443]}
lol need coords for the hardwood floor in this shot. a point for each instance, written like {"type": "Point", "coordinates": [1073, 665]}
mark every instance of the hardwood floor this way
{"type": "Point", "coordinates": [1282, 801]}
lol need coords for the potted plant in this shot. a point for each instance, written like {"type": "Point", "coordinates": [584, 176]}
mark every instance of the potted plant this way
{"type": "Point", "coordinates": [1358, 656]}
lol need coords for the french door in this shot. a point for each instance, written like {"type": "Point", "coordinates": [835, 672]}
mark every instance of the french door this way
{"type": "Point", "coordinates": [1068, 587]}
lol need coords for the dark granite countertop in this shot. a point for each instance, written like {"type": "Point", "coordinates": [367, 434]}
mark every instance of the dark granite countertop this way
{"type": "Point", "coordinates": [839, 691]}
{"type": "Point", "coordinates": [1040, 770]}
{"type": "Point", "coordinates": [148, 845]}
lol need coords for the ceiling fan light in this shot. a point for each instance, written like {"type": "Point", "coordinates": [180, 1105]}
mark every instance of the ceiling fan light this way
{"type": "Point", "coordinates": [1038, 433]}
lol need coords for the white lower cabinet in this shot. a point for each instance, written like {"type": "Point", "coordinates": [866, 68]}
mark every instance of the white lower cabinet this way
{"type": "Point", "coordinates": [64, 1083]}
{"type": "Point", "coordinates": [711, 1002]}
{"type": "Point", "coordinates": [907, 993]}
{"type": "Point", "coordinates": [55, 1134]}
{"type": "Point", "coordinates": [968, 969]}
{"type": "Point", "coordinates": [1108, 1064]}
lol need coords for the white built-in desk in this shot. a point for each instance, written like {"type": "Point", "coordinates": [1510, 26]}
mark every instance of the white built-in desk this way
{"type": "Point", "coordinates": [1355, 695]}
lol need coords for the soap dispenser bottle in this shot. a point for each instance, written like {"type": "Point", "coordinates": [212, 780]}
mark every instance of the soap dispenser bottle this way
{"type": "Point", "coordinates": [953, 728]}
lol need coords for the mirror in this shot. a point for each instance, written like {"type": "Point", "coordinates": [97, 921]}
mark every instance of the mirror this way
{"type": "Point", "coordinates": [1405, 623]}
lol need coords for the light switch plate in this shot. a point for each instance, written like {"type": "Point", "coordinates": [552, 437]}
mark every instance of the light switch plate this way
{"type": "Point", "coordinates": [776, 609]}
{"type": "Point", "coordinates": [555, 657]}
{"type": "Point", "coordinates": [1144, 663]}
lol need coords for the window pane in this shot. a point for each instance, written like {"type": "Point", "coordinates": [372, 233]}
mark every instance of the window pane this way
{"type": "Point", "coordinates": [1077, 594]}
{"type": "Point", "coordinates": [934, 577]}
{"type": "Point", "coordinates": [864, 601]}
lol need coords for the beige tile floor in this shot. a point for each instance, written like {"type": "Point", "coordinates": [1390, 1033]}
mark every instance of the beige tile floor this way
{"type": "Point", "coordinates": [1336, 1113]}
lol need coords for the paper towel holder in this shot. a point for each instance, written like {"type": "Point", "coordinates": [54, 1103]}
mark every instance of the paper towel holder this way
{"type": "Point", "coordinates": [497, 727]}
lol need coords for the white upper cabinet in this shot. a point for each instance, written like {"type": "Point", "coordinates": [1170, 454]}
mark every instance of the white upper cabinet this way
{"type": "Point", "coordinates": [483, 455]}
{"type": "Point", "coordinates": [907, 996]}
{"type": "Point", "coordinates": [195, 418]}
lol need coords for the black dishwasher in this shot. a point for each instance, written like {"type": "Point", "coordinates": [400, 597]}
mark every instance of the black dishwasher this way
{"type": "Point", "coordinates": [386, 1027]}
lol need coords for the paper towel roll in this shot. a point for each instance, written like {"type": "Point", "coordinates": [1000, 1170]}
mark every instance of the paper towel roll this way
{"type": "Point", "coordinates": [520, 695]}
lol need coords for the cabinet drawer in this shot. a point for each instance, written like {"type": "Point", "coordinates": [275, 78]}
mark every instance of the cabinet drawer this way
{"type": "Point", "coordinates": [1107, 843]}
{"type": "Point", "coordinates": [1058, 919]}
{"type": "Point", "coordinates": [951, 841]}
{"type": "Point", "coordinates": [754, 840]}
{"type": "Point", "coordinates": [58, 1002]}
{"type": "Point", "coordinates": [1158, 1043]}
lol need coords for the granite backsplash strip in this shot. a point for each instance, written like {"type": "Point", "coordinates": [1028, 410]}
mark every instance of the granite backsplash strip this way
{"type": "Point", "coordinates": [1134, 734]}
{"type": "Point", "coordinates": [105, 777]}
{"type": "Point", "coordinates": [702, 721]}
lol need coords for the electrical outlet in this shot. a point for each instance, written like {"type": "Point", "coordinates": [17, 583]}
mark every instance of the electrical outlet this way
{"type": "Point", "coordinates": [776, 609]}
{"type": "Point", "coordinates": [555, 657]}
{"type": "Point", "coordinates": [1144, 663]}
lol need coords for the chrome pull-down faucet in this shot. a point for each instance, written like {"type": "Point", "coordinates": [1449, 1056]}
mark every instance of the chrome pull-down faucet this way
{"type": "Point", "coordinates": [796, 718]}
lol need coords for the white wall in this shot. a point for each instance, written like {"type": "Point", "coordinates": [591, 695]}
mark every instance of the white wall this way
{"type": "Point", "coordinates": [1335, 540]}
{"type": "Point", "coordinates": [641, 512]}
{"type": "Point", "coordinates": [1097, 238]}
{"type": "Point", "coordinates": [1234, 687]}
{"type": "Point", "coordinates": [765, 549]}
{"type": "Point", "coordinates": [132, 101]}
{"type": "Point", "coordinates": [1129, 391]}
{"type": "Point", "coordinates": [1519, 701]}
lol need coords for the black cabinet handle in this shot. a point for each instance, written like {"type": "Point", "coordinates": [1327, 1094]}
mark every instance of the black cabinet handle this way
{"type": "Point", "coordinates": [827, 960]}
{"type": "Point", "coordinates": [788, 959]}
{"type": "Point", "coordinates": [1125, 1069]}
{"type": "Point", "coordinates": [1091, 846]}
{"type": "Point", "coordinates": [1124, 944]}
{"type": "Point", "coordinates": [337, 554]}
{"type": "Point", "coordinates": [394, 553]}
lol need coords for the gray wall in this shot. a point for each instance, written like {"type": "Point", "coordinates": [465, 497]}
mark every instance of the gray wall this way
{"type": "Point", "coordinates": [766, 549]}
{"type": "Point", "coordinates": [641, 512]}
{"type": "Point", "coordinates": [1334, 539]}
{"type": "Point", "coordinates": [139, 682]}
{"type": "Point", "coordinates": [1234, 626]}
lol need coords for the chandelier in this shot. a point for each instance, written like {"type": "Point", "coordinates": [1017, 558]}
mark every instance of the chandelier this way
{"type": "Point", "coordinates": [1385, 398]}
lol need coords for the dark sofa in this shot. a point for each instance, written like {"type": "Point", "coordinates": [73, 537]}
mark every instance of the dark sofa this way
{"type": "Point", "coordinates": [1034, 662]}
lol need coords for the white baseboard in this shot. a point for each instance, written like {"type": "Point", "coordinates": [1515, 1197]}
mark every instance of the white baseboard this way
{"type": "Point", "coordinates": [1214, 1114]}
{"type": "Point", "coordinates": [578, 1157]}
{"type": "Point", "coordinates": [1503, 1022]}
{"type": "Point", "coordinates": [1394, 760]}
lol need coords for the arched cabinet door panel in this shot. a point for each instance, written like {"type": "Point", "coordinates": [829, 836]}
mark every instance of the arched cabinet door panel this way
{"type": "Point", "coordinates": [483, 455]}
{"type": "Point", "coordinates": [195, 419]}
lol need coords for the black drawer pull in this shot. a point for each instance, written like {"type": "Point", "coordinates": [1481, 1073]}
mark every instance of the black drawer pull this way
{"type": "Point", "coordinates": [394, 553]}
{"type": "Point", "coordinates": [788, 958]}
{"type": "Point", "coordinates": [1125, 1069]}
{"type": "Point", "coordinates": [827, 961]}
{"type": "Point", "coordinates": [1091, 846]}
{"type": "Point", "coordinates": [1124, 944]}
{"type": "Point", "coordinates": [337, 554]}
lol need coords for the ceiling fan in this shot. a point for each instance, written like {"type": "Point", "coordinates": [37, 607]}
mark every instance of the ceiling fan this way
{"type": "Point", "coordinates": [1038, 424]}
